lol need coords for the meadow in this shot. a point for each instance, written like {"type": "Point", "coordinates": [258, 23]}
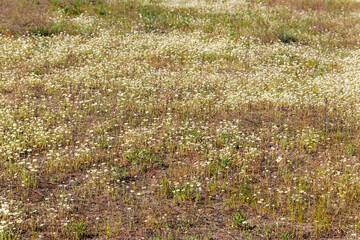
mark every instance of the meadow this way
{"type": "Point", "coordinates": [179, 119]}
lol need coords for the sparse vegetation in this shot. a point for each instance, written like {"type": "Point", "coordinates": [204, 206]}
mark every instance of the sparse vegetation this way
{"type": "Point", "coordinates": [179, 119]}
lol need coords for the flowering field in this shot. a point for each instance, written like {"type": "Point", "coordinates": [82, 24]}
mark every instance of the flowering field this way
{"type": "Point", "coordinates": [179, 119]}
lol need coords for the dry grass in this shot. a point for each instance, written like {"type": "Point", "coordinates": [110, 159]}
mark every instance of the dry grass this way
{"type": "Point", "coordinates": [180, 120]}
{"type": "Point", "coordinates": [332, 6]}
{"type": "Point", "coordinates": [16, 16]}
